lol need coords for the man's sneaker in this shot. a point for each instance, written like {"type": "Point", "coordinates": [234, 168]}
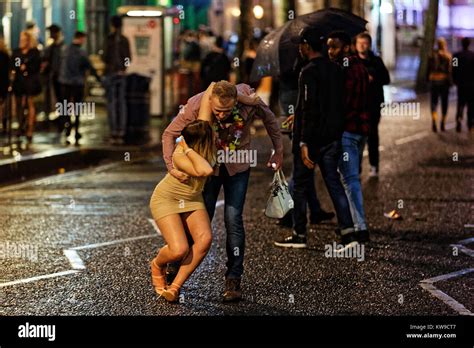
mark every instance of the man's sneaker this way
{"type": "Point", "coordinates": [293, 241]}
{"type": "Point", "coordinates": [321, 216]}
{"type": "Point", "coordinates": [348, 240]}
{"type": "Point", "coordinates": [232, 292]}
{"type": "Point", "coordinates": [374, 172]}
{"type": "Point", "coordinates": [362, 236]}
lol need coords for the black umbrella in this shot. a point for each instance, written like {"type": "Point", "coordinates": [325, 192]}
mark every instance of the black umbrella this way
{"type": "Point", "coordinates": [277, 53]}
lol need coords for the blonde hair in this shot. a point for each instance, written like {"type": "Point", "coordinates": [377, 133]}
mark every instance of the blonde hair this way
{"type": "Point", "coordinates": [224, 90]}
{"type": "Point", "coordinates": [32, 42]}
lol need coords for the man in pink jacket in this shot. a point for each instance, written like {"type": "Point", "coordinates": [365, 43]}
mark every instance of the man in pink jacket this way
{"type": "Point", "coordinates": [232, 121]}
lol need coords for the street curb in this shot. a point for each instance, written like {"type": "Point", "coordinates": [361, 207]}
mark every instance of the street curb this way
{"type": "Point", "coordinates": [51, 162]}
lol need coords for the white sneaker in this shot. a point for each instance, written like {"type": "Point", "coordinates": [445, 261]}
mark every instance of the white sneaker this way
{"type": "Point", "coordinates": [373, 173]}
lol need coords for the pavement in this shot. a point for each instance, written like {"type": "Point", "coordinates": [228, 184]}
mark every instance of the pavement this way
{"type": "Point", "coordinates": [49, 153]}
{"type": "Point", "coordinates": [80, 243]}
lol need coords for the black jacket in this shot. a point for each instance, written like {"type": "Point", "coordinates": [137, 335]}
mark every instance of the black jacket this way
{"type": "Point", "coordinates": [376, 68]}
{"type": "Point", "coordinates": [319, 117]}
{"type": "Point", "coordinates": [463, 70]}
{"type": "Point", "coordinates": [116, 50]}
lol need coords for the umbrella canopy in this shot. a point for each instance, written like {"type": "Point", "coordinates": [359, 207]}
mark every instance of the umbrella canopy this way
{"type": "Point", "coordinates": [277, 53]}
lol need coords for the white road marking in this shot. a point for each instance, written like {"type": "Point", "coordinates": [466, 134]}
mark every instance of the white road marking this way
{"type": "Point", "coordinates": [219, 203]}
{"type": "Point", "coordinates": [427, 284]}
{"type": "Point", "coordinates": [74, 259]}
{"type": "Point", "coordinates": [470, 226]}
{"type": "Point", "coordinates": [98, 245]}
{"type": "Point", "coordinates": [33, 279]}
{"type": "Point", "coordinates": [153, 223]}
{"type": "Point", "coordinates": [411, 138]}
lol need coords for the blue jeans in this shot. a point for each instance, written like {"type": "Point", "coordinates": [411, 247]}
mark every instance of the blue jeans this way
{"type": "Point", "coordinates": [235, 189]}
{"type": "Point", "coordinates": [115, 87]}
{"type": "Point", "coordinates": [349, 163]}
{"type": "Point", "coordinates": [327, 159]}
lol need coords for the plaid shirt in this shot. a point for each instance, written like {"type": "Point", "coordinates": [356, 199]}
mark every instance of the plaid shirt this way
{"type": "Point", "coordinates": [356, 95]}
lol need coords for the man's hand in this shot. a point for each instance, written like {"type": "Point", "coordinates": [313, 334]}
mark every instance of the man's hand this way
{"type": "Point", "coordinates": [305, 157]}
{"type": "Point", "coordinates": [182, 177]}
{"type": "Point", "coordinates": [276, 158]}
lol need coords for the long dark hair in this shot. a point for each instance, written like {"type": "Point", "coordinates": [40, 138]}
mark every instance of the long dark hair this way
{"type": "Point", "coordinates": [200, 137]}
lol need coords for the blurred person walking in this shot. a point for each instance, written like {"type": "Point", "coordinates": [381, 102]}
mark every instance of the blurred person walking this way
{"type": "Point", "coordinates": [463, 77]}
{"type": "Point", "coordinates": [26, 63]}
{"type": "Point", "coordinates": [72, 76]}
{"type": "Point", "coordinates": [117, 58]}
{"type": "Point", "coordinates": [439, 75]}
{"type": "Point", "coordinates": [4, 83]}
{"type": "Point", "coordinates": [378, 77]}
{"type": "Point", "coordinates": [51, 64]}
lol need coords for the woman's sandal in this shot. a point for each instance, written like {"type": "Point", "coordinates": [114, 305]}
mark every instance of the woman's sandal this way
{"type": "Point", "coordinates": [171, 294]}
{"type": "Point", "coordinates": [158, 278]}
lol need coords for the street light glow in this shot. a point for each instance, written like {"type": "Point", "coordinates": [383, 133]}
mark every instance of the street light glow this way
{"type": "Point", "coordinates": [386, 7]}
{"type": "Point", "coordinates": [258, 12]}
{"type": "Point", "coordinates": [235, 12]}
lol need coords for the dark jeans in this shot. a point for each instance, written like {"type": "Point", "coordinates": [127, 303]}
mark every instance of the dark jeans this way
{"type": "Point", "coordinates": [327, 159]}
{"type": "Point", "coordinates": [235, 189]}
{"type": "Point", "coordinates": [373, 138]}
{"type": "Point", "coordinates": [465, 98]}
{"type": "Point", "coordinates": [439, 90]}
{"type": "Point", "coordinates": [311, 196]}
{"type": "Point", "coordinates": [115, 87]}
{"type": "Point", "coordinates": [73, 94]}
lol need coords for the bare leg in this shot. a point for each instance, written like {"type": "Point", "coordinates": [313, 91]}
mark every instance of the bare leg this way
{"type": "Point", "coordinates": [31, 116]}
{"type": "Point", "coordinates": [200, 229]}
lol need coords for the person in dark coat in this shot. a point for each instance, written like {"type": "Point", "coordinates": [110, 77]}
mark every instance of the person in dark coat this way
{"type": "Point", "coordinates": [51, 63]}
{"type": "Point", "coordinates": [117, 57]}
{"type": "Point", "coordinates": [463, 76]}
{"type": "Point", "coordinates": [378, 77]}
{"type": "Point", "coordinates": [72, 77]}
{"type": "Point", "coordinates": [4, 81]}
{"type": "Point", "coordinates": [26, 63]}
{"type": "Point", "coordinates": [216, 65]}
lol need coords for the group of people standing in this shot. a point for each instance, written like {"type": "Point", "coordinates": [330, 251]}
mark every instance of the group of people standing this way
{"type": "Point", "coordinates": [339, 97]}
{"type": "Point", "coordinates": [63, 69]}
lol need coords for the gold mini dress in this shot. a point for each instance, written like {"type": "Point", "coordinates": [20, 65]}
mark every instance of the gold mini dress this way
{"type": "Point", "coordinates": [174, 197]}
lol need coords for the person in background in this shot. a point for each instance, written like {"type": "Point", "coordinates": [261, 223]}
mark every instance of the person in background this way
{"type": "Point", "coordinates": [4, 82]}
{"type": "Point", "coordinates": [463, 76]}
{"type": "Point", "coordinates": [51, 63]}
{"type": "Point", "coordinates": [356, 127]}
{"type": "Point", "coordinates": [26, 63]}
{"type": "Point", "coordinates": [248, 59]}
{"type": "Point", "coordinates": [439, 75]}
{"type": "Point", "coordinates": [117, 58]}
{"type": "Point", "coordinates": [216, 65]}
{"type": "Point", "coordinates": [378, 77]}
{"type": "Point", "coordinates": [72, 76]}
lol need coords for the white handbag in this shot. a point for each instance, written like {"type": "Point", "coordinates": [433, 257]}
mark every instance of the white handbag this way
{"type": "Point", "coordinates": [280, 201]}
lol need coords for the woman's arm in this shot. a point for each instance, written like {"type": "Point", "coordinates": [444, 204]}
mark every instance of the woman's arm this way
{"type": "Point", "coordinates": [205, 112]}
{"type": "Point", "coordinates": [191, 163]}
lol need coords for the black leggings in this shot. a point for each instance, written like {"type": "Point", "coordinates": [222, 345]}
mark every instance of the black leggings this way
{"type": "Point", "coordinates": [439, 89]}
